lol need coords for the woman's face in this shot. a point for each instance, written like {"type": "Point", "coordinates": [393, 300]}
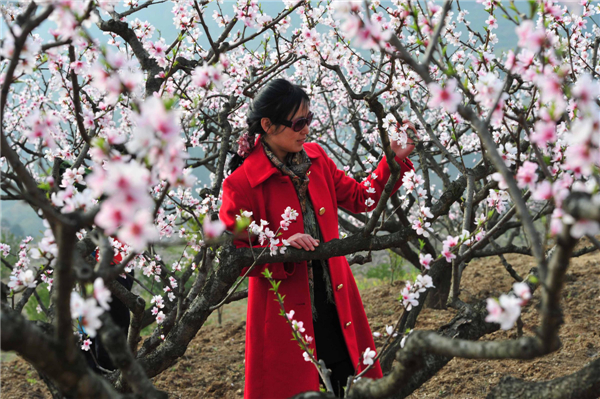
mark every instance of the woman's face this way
{"type": "Point", "coordinates": [284, 140]}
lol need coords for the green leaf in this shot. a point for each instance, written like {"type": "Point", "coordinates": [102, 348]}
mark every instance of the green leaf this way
{"type": "Point", "coordinates": [99, 142]}
{"type": "Point", "coordinates": [533, 279]}
{"type": "Point", "coordinates": [44, 186]}
{"type": "Point", "coordinates": [267, 273]}
{"type": "Point", "coordinates": [533, 6]}
{"type": "Point", "coordinates": [170, 102]}
{"type": "Point", "coordinates": [241, 224]}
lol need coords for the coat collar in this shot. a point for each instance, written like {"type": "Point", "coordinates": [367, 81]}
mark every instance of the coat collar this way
{"type": "Point", "coordinates": [259, 168]}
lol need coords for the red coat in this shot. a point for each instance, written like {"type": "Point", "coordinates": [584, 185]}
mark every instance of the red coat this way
{"type": "Point", "coordinates": [275, 367]}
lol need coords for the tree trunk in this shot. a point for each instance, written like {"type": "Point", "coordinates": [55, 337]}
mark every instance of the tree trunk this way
{"type": "Point", "coordinates": [437, 298]}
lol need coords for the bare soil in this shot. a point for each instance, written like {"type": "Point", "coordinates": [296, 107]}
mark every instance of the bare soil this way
{"type": "Point", "coordinates": [213, 366]}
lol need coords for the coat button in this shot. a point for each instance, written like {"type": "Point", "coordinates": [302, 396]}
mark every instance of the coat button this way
{"type": "Point", "coordinates": [321, 211]}
{"type": "Point", "coordinates": [348, 324]}
{"type": "Point", "coordinates": [339, 287]}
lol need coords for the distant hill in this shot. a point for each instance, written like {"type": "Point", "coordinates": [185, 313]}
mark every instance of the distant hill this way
{"type": "Point", "coordinates": [20, 219]}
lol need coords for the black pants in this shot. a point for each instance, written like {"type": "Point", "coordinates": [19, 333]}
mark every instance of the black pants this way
{"type": "Point", "coordinates": [339, 376]}
{"type": "Point", "coordinates": [329, 338]}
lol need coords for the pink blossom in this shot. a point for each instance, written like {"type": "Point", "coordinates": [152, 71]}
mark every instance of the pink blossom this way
{"type": "Point", "coordinates": [368, 357]}
{"type": "Point", "coordinates": [488, 89]}
{"type": "Point", "coordinates": [139, 232]}
{"type": "Point", "coordinates": [426, 212]}
{"type": "Point", "coordinates": [421, 227]}
{"type": "Point", "coordinates": [586, 91]}
{"type": "Point", "coordinates": [289, 214]}
{"type": "Point", "coordinates": [585, 227]}
{"type": "Point", "coordinates": [298, 326]}
{"type": "Point", "coordinates": [504, 311]}
{"type": "Point", "coordinates": [527, 176]}
{"type": "Point", "coordinates": [26, 278]}
{"type": "Point", "coordinates": [447, 97]}
{"type": "Point", "coordinates": [579, 159]}
{"type": "Point", "coordinates": [244, 145]}
{"type": "Point", "coordinates": [544, 133]}
{"type": "Point", "coordinates": [102, 294]}
{"type": "Point", "coordinates": [389, 330]}
{"type": "Point", "coordinates": [450, 242]}
{"type": "Point", "coordinates": [491, 22]}
{"type": "Point", "coordinates": [160, 317]}
{"type": "Point", "coordinates": [522, 291]}
{"type": "Point", "coordinates": [529, 37]}
{"type": "Point", "coordinates": [542, 191]}
{"type": "Point", "coordinates": [158, 301]}
{"type": "Point", "coordinates": [550, 85]}
{"type": "Point", "coordinates": [86, 345]}
{"type": "Point", "coordinates": [88, 312]}
{"type": "Point", "coordinates": [163, 122]}
{"type": "Point", "coordinates": [409, 299]}
{"type": "Point", "coordinates": [111, 217]}
{"type": "Point", "coordinates": [425, 260]}
{"type": "Point", "coordinates": [510, 60]}
{"type": "Point", "coordinates": [212, 229]}
{"type": "Point", "coordinates": [5, 249]}
{"type": "Point", "coordinates": [446, 253]}
{"type": "Point", "coordinates": [424, 281]}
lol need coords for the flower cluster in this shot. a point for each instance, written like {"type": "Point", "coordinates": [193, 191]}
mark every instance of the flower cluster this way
{"type": "Point", "coordinates": [22, 276]}
{"type": "Point", "coordinates": [389, 331]}
{"type": "Point", "coordinates": [397, 131]}
{"type": "Point", "coordinates": [447, 96]}
{"type": "Point", "coordinates": [305, 339]}
{"type": "Point", "coordinates": [244, 145]}
{"type": "Point", "coordinates": [127, 210]}
{"type": "Point", "coordinates": [368, 182]}
{"type": "Point", "coordinates": [264, 233]}
{"type": "Point", "coordinates": [368, 34]}
{"type": "Point", "coordinates": [411, 292]}
{"type": "Point", "coordinates": [88, 311]}
{"type": "Point", "coordinates": [507, 309]}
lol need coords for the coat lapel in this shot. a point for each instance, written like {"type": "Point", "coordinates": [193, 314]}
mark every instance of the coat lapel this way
{"type": "Point", "coordinates": [261, 168]}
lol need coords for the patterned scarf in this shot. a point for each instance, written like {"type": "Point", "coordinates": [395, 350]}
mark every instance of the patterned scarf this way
{"type": "Point", "coordinates": [295, 166]}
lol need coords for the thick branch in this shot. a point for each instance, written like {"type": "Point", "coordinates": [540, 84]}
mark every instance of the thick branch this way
{"type": "Point", "coordinates": [37, 347]}
{"type": "Point", "coordinates": [583, 384]}
{"type": "Point", "coordinates": [116, 345]}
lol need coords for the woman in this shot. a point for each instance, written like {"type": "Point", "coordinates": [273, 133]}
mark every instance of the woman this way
{"type": "Point", "coordinates": [279, 170]}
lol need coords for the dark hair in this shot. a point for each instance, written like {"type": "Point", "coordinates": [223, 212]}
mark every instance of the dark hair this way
{"type": "Point", "coordinates": [276, 101]}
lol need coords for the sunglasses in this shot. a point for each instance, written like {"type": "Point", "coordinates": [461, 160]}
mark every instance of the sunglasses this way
{"type": "Point", "coordinates": [298, 124]}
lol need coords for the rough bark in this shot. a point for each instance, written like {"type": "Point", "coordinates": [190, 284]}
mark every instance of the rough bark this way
{"type": "Point", "coordinates": [37, 347]}
{"type": "Point", "coordinates": [116, 345]}
{"type": "Point", "coordinates": [583, 384]}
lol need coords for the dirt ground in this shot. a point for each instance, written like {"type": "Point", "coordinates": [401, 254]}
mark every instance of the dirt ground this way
{"type": "Point", "coordinates": [213, 366]}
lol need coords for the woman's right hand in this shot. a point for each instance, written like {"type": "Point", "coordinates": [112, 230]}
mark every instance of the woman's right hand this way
{"type": "Point", "coordinates": [304, 241]}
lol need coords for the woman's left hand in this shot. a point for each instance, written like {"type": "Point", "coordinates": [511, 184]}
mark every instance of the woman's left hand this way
{"type": "Point", "coordinates": [402, 153]}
